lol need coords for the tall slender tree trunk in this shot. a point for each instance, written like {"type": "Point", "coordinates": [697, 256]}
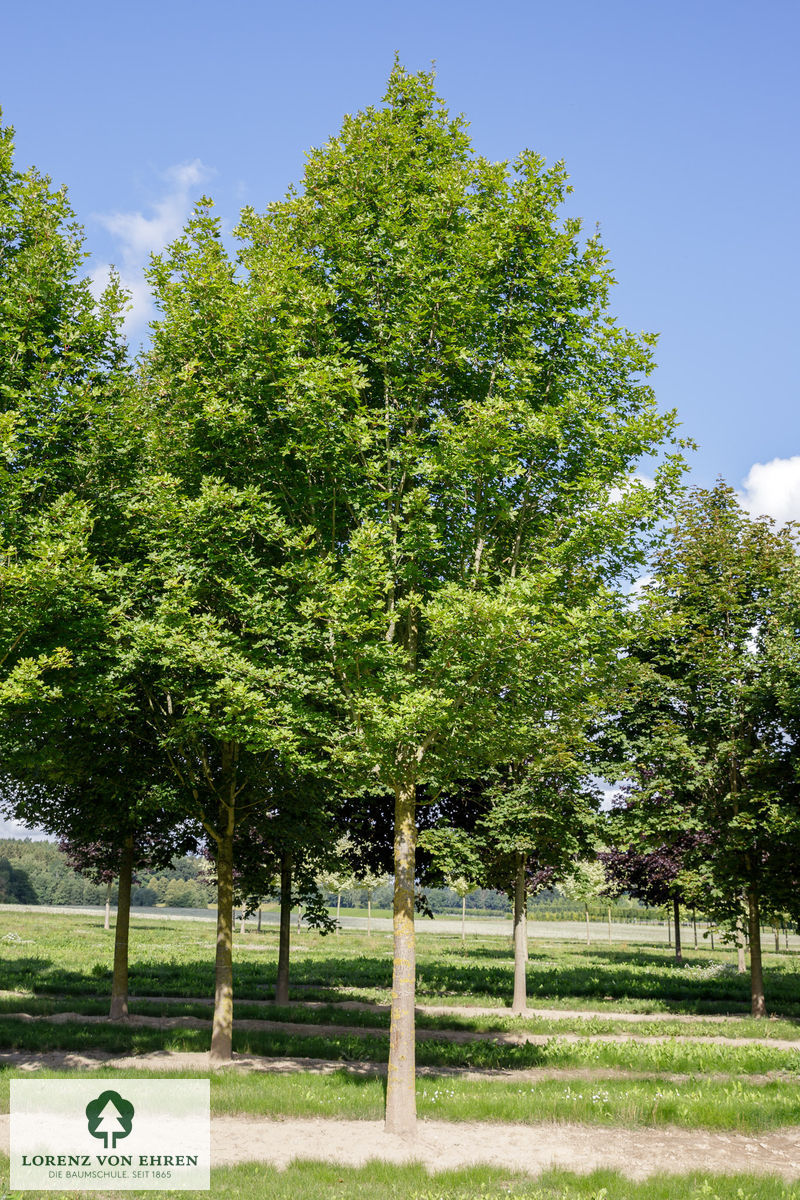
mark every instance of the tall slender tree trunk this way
{"type": "Point", "coordinates": [107, 921]}
{"type": "Point", "coordinates": [758, 1005]}
{"type": "Point", "coordinates": [222, 1027]}
{"type": "Point", "coordinates": [694, 927]}
{"type": "Point", "coordinates": [119, 983]}
{"type": "Point", "coordinates": [676, 912]}
{"type": "Point", "coordinates": [401, 1097]}
{"type": "Point", "coordinates": [741, 964]}
{"type": "Point", "coordinates": [285, 934]}
{"type": "Point", "coordinates": [258, 925]}
{"type": "Point", "coordinates": [242, 926]}
{"type": "Point", "coordinates": [520, 1002]}
{"type": "Point", "coordinates": [463, 917]}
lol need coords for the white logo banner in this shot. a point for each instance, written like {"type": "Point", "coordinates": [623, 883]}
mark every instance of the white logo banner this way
{"type": "Point", "coordinates": [110, 1134]}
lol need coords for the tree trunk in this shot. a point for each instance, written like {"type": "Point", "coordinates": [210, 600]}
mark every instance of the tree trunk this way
{"type": "Point", "coordinates": [712, 938]}
{"type": "Point", "coordinates": [338, 908]}
{"type": "Point", "coordinates": [299, 918]}
{"type": "Point", "coordinates": [401, 1097]}
{"type": "Point", "coordinates": [520, 1002]}
{"type": "Point", "coordinates": [222, 1027]}
{"type": "Point", "coordinates": [463, 917]}
{"type": "Point", "coordinates": [107, 922]}
{"type": "Point", "coordinates": [741, 965]}
{"type": "Point", "coordinates": [258, 926]}
{"type": "Point", "coordinates": [694, 927]}
{"type": "Point", "coordinates": [119, 983]}
{"type": "Point", "coordinates": [758, 1006]}
{"type": "Point", "coordinates": [676, 912]}
{"type": "Point", "coordinates": [777, 939]}
{"type": "Point", "coordinates": [241, 927]}
{"type": "Point", "coordinates": [284, 937]}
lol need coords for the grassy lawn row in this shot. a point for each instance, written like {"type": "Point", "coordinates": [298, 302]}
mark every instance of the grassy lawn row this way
{"type": "Point", "coordinates": [378, 1181]}
{"type": "Point", "coordinates": [668, 1057]}
{"type": "Point", "coordinates": [733, 1106]}
{"type": "Point", "coordinates": [331, 1013]}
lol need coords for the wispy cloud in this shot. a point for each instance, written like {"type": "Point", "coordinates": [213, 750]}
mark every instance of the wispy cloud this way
{"type": "Point", "coordinates": [138, 235]}
{"type": "Point", "coordinates": [773, 489]}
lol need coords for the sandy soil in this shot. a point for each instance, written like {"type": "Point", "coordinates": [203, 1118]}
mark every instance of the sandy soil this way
{"type": "Point", "coordinates": [444, 1145]}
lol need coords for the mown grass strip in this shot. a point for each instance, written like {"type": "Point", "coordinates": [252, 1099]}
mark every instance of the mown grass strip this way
{"type": "Point", "coordinates": [734, 1106]}
{"type": "Point", "coordinates": [380, 1181]}
{"type": "Point", "coordinates": [668, 1057]}
{"type": "Point", "coordinates": [331, 1013]}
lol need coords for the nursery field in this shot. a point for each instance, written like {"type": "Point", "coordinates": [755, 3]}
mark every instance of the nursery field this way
{"type": "Point", "coordinates": [629, 1077]}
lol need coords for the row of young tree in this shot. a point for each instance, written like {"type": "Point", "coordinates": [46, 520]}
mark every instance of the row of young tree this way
{"type": "Point", "coordinates": [345, 551]}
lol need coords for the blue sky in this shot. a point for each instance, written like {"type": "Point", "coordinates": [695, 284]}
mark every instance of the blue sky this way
{"type": "Point", "coordinates": [678, 123]}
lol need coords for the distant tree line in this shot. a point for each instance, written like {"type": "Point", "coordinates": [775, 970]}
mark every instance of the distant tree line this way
{"type": "Point", "coordinates": [39, 873]}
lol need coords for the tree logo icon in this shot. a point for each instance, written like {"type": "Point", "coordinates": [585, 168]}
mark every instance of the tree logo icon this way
{"type": "Point", "coordinates": [109, 1116]}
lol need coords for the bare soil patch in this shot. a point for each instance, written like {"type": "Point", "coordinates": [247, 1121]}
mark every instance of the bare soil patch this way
{"type": "Point", "coordinates": [443, 1145]}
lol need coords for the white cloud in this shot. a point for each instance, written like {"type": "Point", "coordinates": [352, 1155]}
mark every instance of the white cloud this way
{"type": "Point", "coordinates": [616, 493]}
{"type": "Point", "coordinates": [773, 489]}
{"type": "Point", "coordinates": [12, 829]}
{"type": "Point", "coordinates": [138, 236]}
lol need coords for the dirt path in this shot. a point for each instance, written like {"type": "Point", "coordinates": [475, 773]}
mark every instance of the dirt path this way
{"type": "Point", "coordinates": [183, 1061]}
{"type": "Point", "coordinates": [461, 1036]}
{"type": "Point", "coordinates": [444, 1145]}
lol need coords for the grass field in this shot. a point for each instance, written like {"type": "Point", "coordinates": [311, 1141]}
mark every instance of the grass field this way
{"type": "Point", "coordinates": [477, 1067]}
{"type": "Point", "coordinates": [325, 1181]}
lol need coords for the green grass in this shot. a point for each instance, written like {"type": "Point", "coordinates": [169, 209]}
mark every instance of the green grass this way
{"type": "Point", "coordinates": [734, 1106]}
{"type": "Point", "coordinates": [378, 1181]}
{"type": "Point", "coordinates": [331, 1013]}
{"type": "Point", "coordinates": [668, 1056]}
{"type": "Point", "coordinates": [60, 963]}
{"type": "Point", "coordinates": [176, 958]}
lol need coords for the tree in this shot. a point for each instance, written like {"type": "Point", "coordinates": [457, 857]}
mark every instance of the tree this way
{"type": "Point", "coordinates": [110, 816]}
{"type": "Point", "coordinates": [62, 369]}
{"type": "Point", "coordinates": [650, 874]}
{"type": "Point", "coordinates": [704, 734]}
{"type": "Point", "coordinates": [456, 861]}
{"type": "Point", "coordinates": [484, 405]}
{"type": "Point", "coordinates": [586, 882]}
{"type": "Point", "coordinates": [339, 878]}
